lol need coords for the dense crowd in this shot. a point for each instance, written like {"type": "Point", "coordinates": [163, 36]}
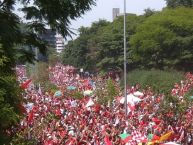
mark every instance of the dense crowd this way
{"type": "Point", "coordinates": [60, 119]}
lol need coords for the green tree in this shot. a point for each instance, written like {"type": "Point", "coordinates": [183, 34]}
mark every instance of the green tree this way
{"type": "Point", "coordinates": [177, 3]}
{"type": "Point", "coordinates": [15, 37]}
{"type": "Point", "coordinates": [106, 91]}
{"type": "Point", "coordinates": [149, 12]}
{"type": "Point", "coordinates": [78, 52]}
{"type": "Point", "coordinates": [75, 51]}
{"type": "Point", "coordinates": [53, 56]}
{"type": "Point", "coordinates": [10, 98]}
{"type": "Point", "coordinates": [109, 40]}
{"type": "Point", "coordinates": [41, 75]}
{"type": "Point", "coordinates": [100, 47]}
{"type": "Point", "coordinates": [168, 44]}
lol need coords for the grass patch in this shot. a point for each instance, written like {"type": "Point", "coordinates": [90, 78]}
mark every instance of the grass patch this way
{"type": "Point", "coordinates": [160, 81]}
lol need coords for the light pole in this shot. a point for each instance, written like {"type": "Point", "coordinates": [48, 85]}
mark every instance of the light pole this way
{"type": "Point", "coordinates": [125, 60]}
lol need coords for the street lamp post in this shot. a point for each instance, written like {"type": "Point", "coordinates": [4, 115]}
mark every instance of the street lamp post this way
{"type": "Point", "coordinates": [125, 60]}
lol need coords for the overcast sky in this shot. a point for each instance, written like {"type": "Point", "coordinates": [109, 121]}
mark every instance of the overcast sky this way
{"type": "Point", "coordinates": [103, 10]}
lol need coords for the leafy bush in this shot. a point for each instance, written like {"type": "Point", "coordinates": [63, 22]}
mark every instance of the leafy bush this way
{"type": "Point", "coordinates": [10, 96]}
{"type": "Point", "coordinates": [48, 86]}
{"type": "Point", "coordinates": [21, 139]}
{"type": "Point", "coordinates": [40, 75]}
{"type": "Point", "coordinates": [38, 72]}
{"type": "Point", "coordinates": [106, 92]}
{"type": "Point", "coordinates": [77, 95]}
{"type": "Point", "coordinates": [160, 81]}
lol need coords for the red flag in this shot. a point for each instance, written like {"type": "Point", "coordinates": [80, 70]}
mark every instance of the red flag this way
{"type": "Point", "coordinates": [25, 85]}
{"type": "Point", "coordinates": [157, 121]}
{"type": "Point", "coordinates": [97, 108]}
{"type": "Point", "coordinates": [107, 141]}
{"type": "Point", "coordinates": [155, 137]}
{"type": "Point", "coordinates": [127, 139]}
{"type": "Point", "coordinates": [70, 141]}
{"type": "Point", "coordinates": [30, 117]}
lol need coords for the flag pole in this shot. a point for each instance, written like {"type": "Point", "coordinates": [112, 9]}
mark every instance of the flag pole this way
{"type": "Point", "coordinates": [125, 60]}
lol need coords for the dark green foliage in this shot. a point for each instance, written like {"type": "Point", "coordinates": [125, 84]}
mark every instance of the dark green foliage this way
{"type": "Point", "coordinates": [53, 56]}
{"type": "Point", "coordinates": [14, 38]}
{"type": "Point", "coordinates": [149, 12]}
{"type": "Point", "coordinates": [49, 87]}
{"type": "Point", "coordinates": [109, 42]}
{"type": "Point", "coordinates": [100, 47]}
{"type": "Point", "coordinates": [10, 95]}
{"type": "Point", "coordinates": [79, 52]}
{"type": "Point", "coordinates": [158, 40]}
{"type": "Point", "coordinates": [17, 40]}
{"type": "Point", "coordinates": [177, 3]}
{"type": "Point", "coordinates": [106, 92]}
{"type": "Point", "coordinates": [159, 81]}
{"type": "Point", "coordinates": [168, 44]}
{"type": "Point", "coordinates": [40, 75]}
{"type": "Point", "coordinates": [112, 92]}
{"type": "Point", "coordinates": [77, 95]}
{"type": "Point", "coordinates": [56, 14]}
{"type": "Point", "coordinates": [21, 139]}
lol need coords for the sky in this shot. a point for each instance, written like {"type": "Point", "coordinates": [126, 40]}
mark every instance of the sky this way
{"type": "Point", "coordinates": [103, 10]}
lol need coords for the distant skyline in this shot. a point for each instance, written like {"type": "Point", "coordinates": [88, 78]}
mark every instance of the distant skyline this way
{"type": "Point", "coordinates": [103, 10]}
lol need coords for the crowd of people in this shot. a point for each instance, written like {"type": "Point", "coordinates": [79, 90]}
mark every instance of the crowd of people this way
{"type": "Point", "coordinates": [61, 119]}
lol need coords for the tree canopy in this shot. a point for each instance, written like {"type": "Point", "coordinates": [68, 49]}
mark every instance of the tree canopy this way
{"type": "Point", "coordinates": [101, 45]}
{"type": "Point", "coordinates": [168, 44]}
{"type": "Point", "coordinates": [10, 95]}
{"type": "Point", "coordinates": [17, 40]}
{"type": "Point", "coordinates": [177, 3]}
{"type": "Point", "coordinates": [158, 40]}
{"type": "Point", "coordinates": [81, 52]}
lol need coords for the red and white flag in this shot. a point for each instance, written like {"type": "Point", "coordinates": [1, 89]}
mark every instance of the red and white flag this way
{"type": "Point", "coordinates": [137, 137]}
{"type": "Point", "coordinates": [131, 107]}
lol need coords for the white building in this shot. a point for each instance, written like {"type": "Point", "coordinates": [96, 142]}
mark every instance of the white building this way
{"type": "Point", "coordinates": [116, 13]}
{"type": "Point", "coordinates": [59, 43]}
